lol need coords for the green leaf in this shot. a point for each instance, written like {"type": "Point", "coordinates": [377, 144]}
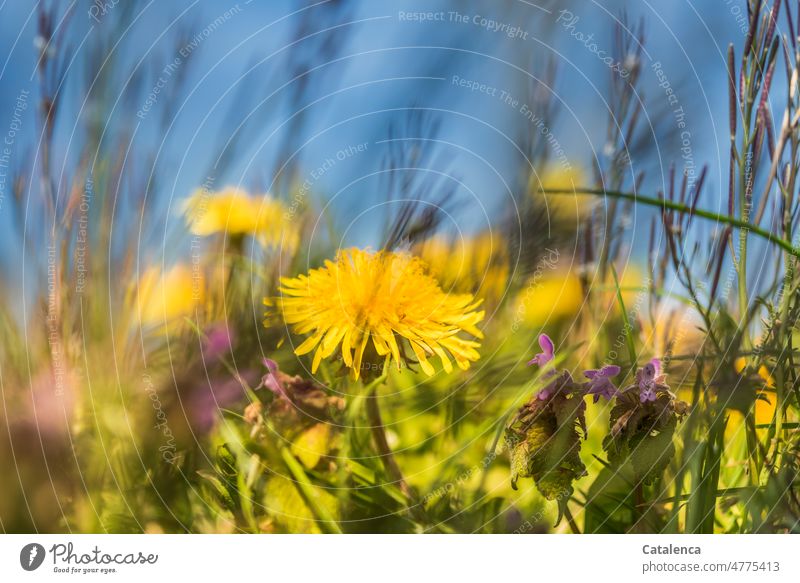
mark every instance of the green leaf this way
{"type": "Point", "coordinates": [290, 507]}
{"type": "Point", "coordinates": [219, 489]}
{"type": "Point", "coordinates": [320, 503]}
{"type": "Point", "coordinates": [610, 502]}
{"type": "Point", "coordinates": [641, 433]}
{"type": "Point", "coordinates": [651, 452]}
{"type": "Point", "coordinates": [312, 444]}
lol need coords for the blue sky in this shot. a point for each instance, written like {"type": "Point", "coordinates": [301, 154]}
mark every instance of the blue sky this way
{"type": "Point", "coordinates": [384, 63]}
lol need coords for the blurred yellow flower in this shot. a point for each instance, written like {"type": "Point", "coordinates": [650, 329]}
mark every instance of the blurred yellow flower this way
{"type": "Point", "coordinates": [675, 332]}
{"type": "Point", "coordinates": [233, 211]}
{"type": "Point", "coordinates": [478, 264]}
{"type": "Point", "coordinates": [740, 363]}
{"type": "Point", "coordinates": [562, 178]}
{"type": "Point", "coordinates": [764, 410]}
{"type": "Point", "coordinates": [383, 297]}
{"type": "Point", "coordinates": [554, 293]}
{"type": "Point", "coordinates": [163, 297]}
{"type": "Point", "coordinates": [549, 298]}
{"type": "Point", "coordinates": [633, 286]}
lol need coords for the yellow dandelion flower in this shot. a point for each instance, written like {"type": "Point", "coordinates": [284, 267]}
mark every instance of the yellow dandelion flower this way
{"type": "Point", "coordinates": [164, 297]}
{"type": "Point", "coordinates": [234, 211]}
{"type": "Point", "coordinates": [675, 331]}
{"type": "Point", "coordinates": [550, 298]}
{"type": "Point", "coordinates": [562, 178]}
{"type": "Point", "coordinates": [763, 410]}
{"type": "Point", "coordinates": [741, 363]}
{"type": "Point", "coordinates": [478, 264]}
{"type": "Point", "coordinates": [383, 297]}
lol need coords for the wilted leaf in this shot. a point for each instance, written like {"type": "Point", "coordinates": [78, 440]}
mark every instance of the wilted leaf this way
{"type": "Point", "coordinates": [545, 443]}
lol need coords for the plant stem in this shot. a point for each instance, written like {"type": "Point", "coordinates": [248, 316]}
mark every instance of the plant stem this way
{"type": "Point", "coordinates": [573, 526]}
{"type": "Point", "coordinates": [639, 506]}
{"type": "Point", "coordinates": [387, 456]}
{"type": "Point", "coordinates": [325, 519]}
{"type": "Point", "coordinates": [625, 319]}
{"type": "Point", "coordinates": [682, 208]}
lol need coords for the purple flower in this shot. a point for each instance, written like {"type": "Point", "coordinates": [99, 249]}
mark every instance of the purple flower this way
{"type": "Point", "coordinates": [206, 401]}
{"type": "Point", "coordinates": [646, 395]}
{"type": "Point", "coordinates": [218, 341]}
{"type": "Point", "coordinates": [562, 382]}
{"type": "Point", "coordinates": [648, 378]}
{"type": "Point", "coordinates": [545, 393]}
{"type": "Point", "coordinates": [600, 384]}
{"type": "Point", "coordinates": [547, 354]}
{"type": "Point", "coordinates": [271, 381]}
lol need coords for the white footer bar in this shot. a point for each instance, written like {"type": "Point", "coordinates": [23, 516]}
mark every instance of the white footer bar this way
{"type": "Point", "coordinates": [349, 558]}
